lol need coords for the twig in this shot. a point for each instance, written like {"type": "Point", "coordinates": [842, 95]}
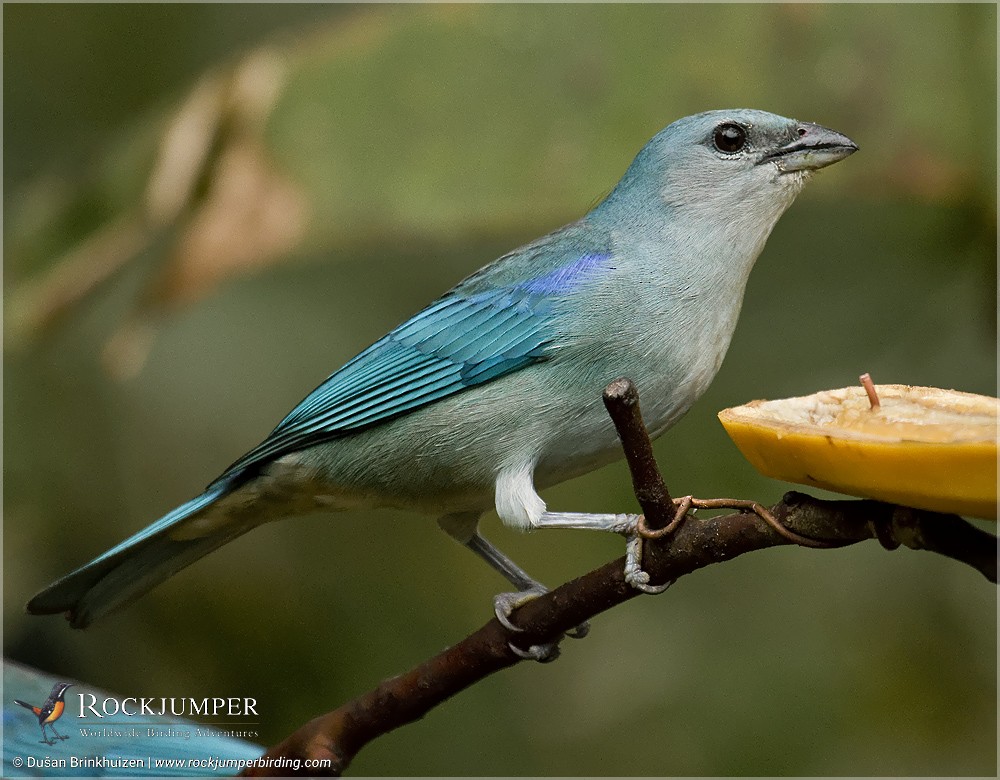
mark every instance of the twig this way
{"type": "Point", "coordinates": [693, 544]}
{"type": "Point", "coordinates": [621, 399]}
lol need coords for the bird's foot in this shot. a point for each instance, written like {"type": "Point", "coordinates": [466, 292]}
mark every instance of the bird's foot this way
{"type": "Point", "coordinates": [543, 653]}
{"type": "Point", "coordinates": [637, 533]}
{"type": "Point", "coordinates": [635, 575]}
{"type": "Point", "coordinates": [60, 736]}
{"type": "Point", "coordinates": [47, 741]}
{"type": "Point", "coordinates": [504, 605]}
{"type": "Point", "coordinates": [580, 631]}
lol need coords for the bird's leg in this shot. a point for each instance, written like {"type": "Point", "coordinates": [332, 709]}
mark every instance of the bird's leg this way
{"type": "Point", "coordinates": [528, 588]}
{"type": "Point", "coordinates": [519, 505]}
{"type": "Point", "coordinates": [517, 576]}
{"type": "Point", "coordinates": [626, 525]}
{"type": "Point", "coordinates": [504, 604]}
{"type": "Point", "coordinates": [45, 737]}
{"type": "Point", "coordinates": [458, 527]}
{"type": "Point", "coordinates": [58, 735]}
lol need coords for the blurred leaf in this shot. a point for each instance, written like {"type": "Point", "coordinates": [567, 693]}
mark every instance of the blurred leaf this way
{"type": "Point", "coordinates": [362, 144]}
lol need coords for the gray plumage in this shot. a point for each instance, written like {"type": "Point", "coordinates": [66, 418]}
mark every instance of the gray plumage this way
{"type": "Point", "coordinates": [494, 390]}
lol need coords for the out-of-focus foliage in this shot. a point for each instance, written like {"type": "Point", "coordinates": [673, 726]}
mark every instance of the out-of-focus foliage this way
{"type": "Point", "coordinates": [244, 196]}
{"type": "Point", "coordinates": [378, 123]}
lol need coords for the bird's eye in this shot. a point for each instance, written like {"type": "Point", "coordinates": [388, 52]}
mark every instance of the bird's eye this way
{"type": "Point", "coordinates": [730, 138]}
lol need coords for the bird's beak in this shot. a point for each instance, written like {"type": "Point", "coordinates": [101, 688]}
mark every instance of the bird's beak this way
{"type": "Point", "coordinates": [816, 147]}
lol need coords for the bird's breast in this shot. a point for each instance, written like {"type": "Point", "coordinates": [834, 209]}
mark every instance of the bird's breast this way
{"type": "Point", "coordinates": [669, 339]}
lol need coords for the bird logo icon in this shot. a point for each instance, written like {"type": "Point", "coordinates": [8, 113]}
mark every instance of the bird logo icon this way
{"type": "Point", "coordinates": [50, 711]}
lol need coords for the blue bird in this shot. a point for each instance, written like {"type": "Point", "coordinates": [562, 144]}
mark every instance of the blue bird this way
{"type": "Point", "coordinates": [494, 390]}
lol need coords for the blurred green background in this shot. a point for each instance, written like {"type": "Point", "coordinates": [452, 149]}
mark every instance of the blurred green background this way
{"type": "Point", "coordinates": [208, 208]}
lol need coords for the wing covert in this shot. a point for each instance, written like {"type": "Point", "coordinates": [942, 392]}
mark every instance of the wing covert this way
{"type": "Point", "coordinates": [455, 343]}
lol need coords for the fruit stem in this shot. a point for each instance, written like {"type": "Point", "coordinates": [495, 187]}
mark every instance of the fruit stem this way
{"type": "Point", "coordinates": [869, 386]}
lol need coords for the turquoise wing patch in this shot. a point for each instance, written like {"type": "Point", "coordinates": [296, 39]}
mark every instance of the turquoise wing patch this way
{"type": "Point", "coordinates": [456, 343]}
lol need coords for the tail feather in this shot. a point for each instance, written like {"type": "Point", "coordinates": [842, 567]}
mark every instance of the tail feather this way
{"type": "Point", "coordinates": [127, 571]}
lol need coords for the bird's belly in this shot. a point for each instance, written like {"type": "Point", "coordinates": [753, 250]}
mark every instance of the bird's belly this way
{"type": "Point", "coordinates": [445, 457]}
{"type": "Point", "coordinates": [591, 441]}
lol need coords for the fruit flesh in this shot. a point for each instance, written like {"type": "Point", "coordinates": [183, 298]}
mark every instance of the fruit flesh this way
{"type": "Point", "coordinates": [922, 447]}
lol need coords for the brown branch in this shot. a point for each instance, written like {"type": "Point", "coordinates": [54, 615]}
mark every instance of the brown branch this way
{"type": "Point", "coordinates": [696, 543]}
{"type": "Point", "coordinates": [621, 399]}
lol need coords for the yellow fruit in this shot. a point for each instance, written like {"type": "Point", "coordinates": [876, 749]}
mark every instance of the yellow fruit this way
{"type": "Point", "coordinates": [922, 446]}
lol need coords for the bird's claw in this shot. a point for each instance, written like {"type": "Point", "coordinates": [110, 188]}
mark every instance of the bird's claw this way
{"type": "Point", "coordinates": [544, 654]}
{"type": "Point", "coordinates": [580, 631]}
{"type": "Point", "coordinates": [504, 605]}
{"type": "Point", "coordinates": [652, 590]}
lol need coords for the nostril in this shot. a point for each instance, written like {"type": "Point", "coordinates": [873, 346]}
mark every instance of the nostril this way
{"type": "Point", "coordinates": [802, 131]}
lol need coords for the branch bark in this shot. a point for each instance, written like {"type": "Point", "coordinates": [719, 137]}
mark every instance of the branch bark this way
{"type": "Point", "coordinates": [694, 544]}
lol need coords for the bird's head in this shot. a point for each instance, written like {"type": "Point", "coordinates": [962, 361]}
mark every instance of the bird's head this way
{"type": "Point", "coordinates": [724, 164]}
{"type": "Point", "coordinates": [60, 689]}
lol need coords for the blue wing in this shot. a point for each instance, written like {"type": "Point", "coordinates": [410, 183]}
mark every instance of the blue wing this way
{"type": "Point", "coordinates": [458, 342]}
{"type": "Point", "coordinates": [497, 321]}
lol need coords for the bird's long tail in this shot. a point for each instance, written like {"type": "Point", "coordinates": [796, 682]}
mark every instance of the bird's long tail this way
{"type": "Point", "coordinates": [27, 706]}
{"type": "Point", "coordinates": [141, 562]}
